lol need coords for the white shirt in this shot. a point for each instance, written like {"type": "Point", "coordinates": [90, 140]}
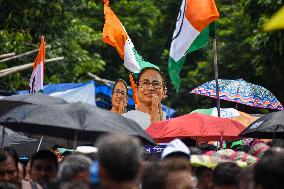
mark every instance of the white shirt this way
{"type": "Point", "coordinates": [141, 118]}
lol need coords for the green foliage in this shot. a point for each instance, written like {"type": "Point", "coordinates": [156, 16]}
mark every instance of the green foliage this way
{"type": "Point", "coordinates": [73, 29]}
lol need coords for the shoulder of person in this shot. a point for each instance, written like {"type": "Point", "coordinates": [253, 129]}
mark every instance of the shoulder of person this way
{"type": "Point", "coordinates": [30, 185]}
{"type": "Point", "coordinates": [134, 113]}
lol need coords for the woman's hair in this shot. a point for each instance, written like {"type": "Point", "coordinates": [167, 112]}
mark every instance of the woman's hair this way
{"type": "Point", "coordinates": [116, 82]}
{"type": "Point", "coordinates": [154, 69]}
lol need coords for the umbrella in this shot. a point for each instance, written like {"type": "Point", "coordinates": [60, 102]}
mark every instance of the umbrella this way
{"type": "Point", "coordinates": [13, 138]}
{"type": "Point", "coordinates": [240, 91]}
{"type": "Point", "coordinates": [268, 126]}
{"type": "Point", "coordinates": [63, 123]}
{"type": "Point", "coordinates": [21, 143]}
{"type": "Point", "coordinates": [204, 160]}
{"type": "Point", "coordinates": [243, 156]}
{"type": "Point", "coordinates": [197, 126]}
{"type": "Point", "coordinates": [242, 117]}
{"type": "Point", "coordinates": [27, 149]}
{"type": "Point", "coordinates": [11, 102]}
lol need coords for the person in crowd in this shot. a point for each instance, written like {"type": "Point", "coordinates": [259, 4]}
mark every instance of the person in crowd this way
{"type": "Point", "coordinates": [268, 173]}
{"type": "Point", "coordinates": [75, 167]}
{"type": "Point", "coordinates": [9, 170]}
{"type": "Point", "coordinates": [21, 170]}
{"type": "Point", "coordinates": [55, 150]}
{"type": "Point", "coordinates": [245, 178]}
{"type": "Point", "coordinates": [225, 176]}
{"type": "Point", "coordinates": [120, 160]}
{"type": "Point", "coordinates": [204, 177]}
{"type": "Point", "coordinates": [176, 149]}
{"type": "Point", "coordinates": [168, 174]}
{"type": "Point", "coordinates": [28, 170]}
{"type": "Point", "coordinates": [119, 97]}
{"type": "Point", "coordinates": [151, 90]}
{"type": "Point", "coordinates": [44, 166]}
{"type": "Point", "coordinates": [59, 184]}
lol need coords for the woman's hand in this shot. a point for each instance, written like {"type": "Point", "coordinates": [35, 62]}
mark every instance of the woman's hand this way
{"type": "Point", "coordinates": [156, 111]}
{"type": "Point", "coordinates": [121, 107]}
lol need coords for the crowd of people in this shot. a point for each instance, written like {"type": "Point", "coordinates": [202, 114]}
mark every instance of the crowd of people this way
{"type": "Point", "coordinates": [121, 162]}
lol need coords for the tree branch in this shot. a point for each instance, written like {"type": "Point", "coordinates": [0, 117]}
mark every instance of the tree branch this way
{"type": "Point", "coordinates": [9, 71]}
{"type": "Point", "coordinates": [21, 55]}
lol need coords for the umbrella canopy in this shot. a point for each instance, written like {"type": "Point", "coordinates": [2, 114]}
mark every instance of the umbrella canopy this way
{"type": "Point", "coordinates": [197, 126]}
{"type": "Point", "coordinates": [11, 102]}
{"type": "Point", "coordinates": [63, 123]}
{"type": "Point", "coordinates": [268, 126]}
{"type": "Point", "coordinates": [12, 137]}
{"type": "Point", "coordinates": [242, 117]}
{"type": "Point", "coordinates": [240, 91]}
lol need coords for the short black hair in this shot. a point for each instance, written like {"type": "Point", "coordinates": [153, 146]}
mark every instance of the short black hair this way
{"type": "Point", "coordinates": [116, 82]}
{"type": "Point", "coordinates": [6, 152]}
{"type": "Point", "coordinates": [44, 154]}
{"type": "Point", "coordinates": [269, 171]}
{"type": "Point", "coordinates": [156, 172]}
{"type": "Point", "coordinates": [154, 176]}
{"type": "Point", "coordinates": [199, 171]}
{"type": "Point", "coordinates": [120, 156]}
{"type": "Point", "coordinates": [226, 174]}
{"type": "Point", "coordinates": [155, 69]}
{"type": "Point", "coordinates": [72, 165]}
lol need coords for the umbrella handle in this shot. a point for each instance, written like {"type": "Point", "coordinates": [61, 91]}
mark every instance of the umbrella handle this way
{"type": "Point", "coordinates": [39, 144]}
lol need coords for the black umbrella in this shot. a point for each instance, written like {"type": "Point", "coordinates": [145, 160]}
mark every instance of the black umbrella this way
{"type": "Point", "coordinates": [64, 123]}
{"type": "Point", "coordinates": [12, 137]}
{"type": "Point", "coordinates": [268, 126]}
{"type": "Point", "coordinates": [11, 102]}
{"type": "Point", "coordinates": [21, 143]}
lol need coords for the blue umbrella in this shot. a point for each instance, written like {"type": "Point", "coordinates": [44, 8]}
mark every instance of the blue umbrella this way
{"type": "Point", "coordinates": [240, 91]}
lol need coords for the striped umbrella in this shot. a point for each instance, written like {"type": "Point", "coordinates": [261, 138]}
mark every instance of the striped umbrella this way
{"type": "Point", "coordinates": [240, 91]}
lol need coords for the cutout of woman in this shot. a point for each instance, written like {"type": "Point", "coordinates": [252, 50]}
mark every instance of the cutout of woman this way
{"type": "Point", "coordinates": [151, 91]}
{"type": "Point", "coordinates": [119, 97]}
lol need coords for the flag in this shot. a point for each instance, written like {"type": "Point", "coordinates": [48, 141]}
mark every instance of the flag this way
{"type": "Point", "coordinates": [276, 22]}
{"type": "Point", "coordinates": [36, 80]}
{"type": "Point", "coordinates": [115, 35]}
{"type": "Point", "coordinates": [191, 33]}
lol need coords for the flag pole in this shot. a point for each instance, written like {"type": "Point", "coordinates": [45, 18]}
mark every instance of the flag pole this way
{"type": "Point", "coordinates": [216, 67]}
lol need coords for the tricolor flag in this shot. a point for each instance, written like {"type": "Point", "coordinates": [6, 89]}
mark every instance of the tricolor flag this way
{"type": "Point", "coordinates": [36, 80]}
{"type": "Point", "coordinates": [115, 35]}
{"type": "Point", "coordinates": [191, 33]}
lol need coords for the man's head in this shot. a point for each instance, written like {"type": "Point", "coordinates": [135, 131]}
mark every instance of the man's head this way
{"type": "Point", "coordinates": [119, 93]}
{"type": "Point", "coordinates": [8, 166]}
{"type": "Point", "coordinates": [268, 173]}
{"type": "Point", "coordinates": [44, 166]}
{"type": "Point", "coordinates": [150, 81]}
{"type": "Point", "coordinates": [119, 158]}
{"type": "Point", "coordinates": [168, 174]}
{"type": "Point", "coordinates": [225, 176]}
{"type": "Point", "coordinates": [204, 177]}
{"type": "Point", "coordinates": [75, 167]}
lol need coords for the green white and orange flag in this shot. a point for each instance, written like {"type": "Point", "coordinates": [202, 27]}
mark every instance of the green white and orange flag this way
{"type": "Point", "coordinates": [115, 35]}
{"type": "Point", "coordinates": [191, 33]}
{"type": "Point", "coordinates": [36, 80]}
